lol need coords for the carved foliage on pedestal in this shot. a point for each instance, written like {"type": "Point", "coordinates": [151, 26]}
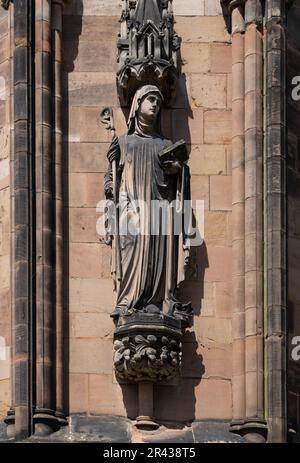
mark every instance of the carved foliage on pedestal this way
{"type": "Point", "coordinates": [148, 48]}
{"type": "Point", "coordinates": [147, 358]}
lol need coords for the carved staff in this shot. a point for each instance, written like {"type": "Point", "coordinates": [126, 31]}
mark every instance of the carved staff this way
{"type": "Point", "coordinates": [108, 120]}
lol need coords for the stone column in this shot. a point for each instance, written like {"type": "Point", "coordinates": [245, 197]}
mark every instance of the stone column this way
{"type": "Point", "coordinates": [45, 420]}
{"type": "Point", "coordinates": [275, 211]}
{"type": "Point", "coordinates": [24, 207]}
{"type": "Point", "coordinates": [255, 427]}
{"type": "Point", "coordinates": [57, 8]}
{"type": "Point", "coordinates": [238, 214]}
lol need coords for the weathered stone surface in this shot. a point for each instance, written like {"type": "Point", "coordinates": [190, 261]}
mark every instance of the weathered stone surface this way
{"type": "Point", "coordinates": [85, 260]}
{"type": "Point", "coordinates": [196, 57]}
{"type": "Point", "coordinates": [91, 356]}
{"type": "Point", "coordinates": [221, 58]}
{"type": "Point", "coordinates": [91, 325]}
{"type": "Point", "coordinates": [85, 189]}
{"type": "Point", "coordinates": [219, 261]}
{"type": "Point", "coordinates": [220, 193]}
{"type": "Point", "coordinates": [212, 7]}
{"type": "Point", "coordinates": [202, 29]}
{"type": "Point", "coordinates": [190, 129]}
{"type": "Point", "coordinates": [214, 432]}
{"type": "Point", "coordinates": [213, 399]}
{"type": "Point", "coordinates": [193, 8]}
{"type": "Point", "coordinates": [200, 189]}
{"type": "Point", "coordinates": [108, 429]}
{"type": "Point", "coordinates": [88, 157]}
{"type": "Point", "coordinates": [216, 229]}
{"type": "Point", "coordinates": [217, 127]}
{"type": "Point", "coordinates": [208, 91]}
{"type": "Point", "coordinates": [207, 160]}
{"type": "Point", "coordinates": [212, 329]}
{"type": "Point", "coordinates": [79, 383]}
{"type": "Point", "coordinates": [88, 295]}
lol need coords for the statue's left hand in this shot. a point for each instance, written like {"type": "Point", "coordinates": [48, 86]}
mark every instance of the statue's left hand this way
{"type": "Point", "coordinates": [172, 167]}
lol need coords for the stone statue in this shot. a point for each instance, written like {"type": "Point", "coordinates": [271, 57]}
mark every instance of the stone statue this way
{"type": "Point", "coordinates": [147, 172]}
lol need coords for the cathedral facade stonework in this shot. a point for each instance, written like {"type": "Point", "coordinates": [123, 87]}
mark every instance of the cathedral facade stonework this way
{"type": "Point", "coordinates": [111, 333]}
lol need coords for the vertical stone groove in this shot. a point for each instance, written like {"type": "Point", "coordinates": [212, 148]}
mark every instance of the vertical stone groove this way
{"type": "Point", "coordinates": [238, 217]}
{"type": "Point", "coordinates": [275, 229]}
{"type": "Point", "coordinates": [24, 209]}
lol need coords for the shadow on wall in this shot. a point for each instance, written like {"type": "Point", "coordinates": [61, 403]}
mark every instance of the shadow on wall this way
{"type": "Point", "coordinates": [72, 28]}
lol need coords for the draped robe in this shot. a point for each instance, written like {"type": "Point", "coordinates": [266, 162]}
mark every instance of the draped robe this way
{"type": "Point", "coordinates": [143, 254]}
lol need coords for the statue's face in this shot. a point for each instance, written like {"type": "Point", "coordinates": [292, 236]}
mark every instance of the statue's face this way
{"type": "Point", "coordinates": [150, 106]}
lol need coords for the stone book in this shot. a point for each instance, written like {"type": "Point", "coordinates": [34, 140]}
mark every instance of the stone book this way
{"type": "Point", "coordinates": [176, 152]}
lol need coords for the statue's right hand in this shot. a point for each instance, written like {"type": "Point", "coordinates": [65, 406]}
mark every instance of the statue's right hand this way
{"type": "Point", "coordinates": [114, 151]}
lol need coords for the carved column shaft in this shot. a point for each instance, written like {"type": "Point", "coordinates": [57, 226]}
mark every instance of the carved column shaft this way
{"type": "Point", "coordinates": [238, 216]}
{"type": "Point", "coordinates": [254, 361]}
{"type": "Point", "coordinates": [275, 230]}
{"type": "Point", "coordinates": [45, 301]}
{"type": "Point", "coordinates": [57, 7]}
{"type": "Point", "coordinates": [24, 239]}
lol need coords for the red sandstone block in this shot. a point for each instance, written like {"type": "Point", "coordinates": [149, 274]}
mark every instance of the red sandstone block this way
{"type": "Point", "coordinates": [168, 403]}
{"type": "Point", "coordinates": [212, 329]}
{"type": "Point", "coordinates": [79, 393]}
{"type": "Point", "coordinates": [224, 300]}
{"type": "Point", "coordinates": [85, 260]}
{"type": "Point", "coordinates": [190, 129]}
{"type": "Point", "coordinates": [92, 28]}
{"type": "Point", "coordinates": [217, 127]}
{"type": "Point", "coordinates": [92, 89]}
{"type": "Point", "coordinates": [5, 310]}
{"type": "Point", "coordinates": [91, 356]}
{"type": "Point", "coordinates": [216, 228]}
{"type": "Point", "coordinates": [3, 26]}
{"type": "Point", "coordinates": [5, 397]}
{"type": "Point", "coordinates": [208, 90]}
{"type": "Point", "coordinates": [94, 57]}
{"type": "Point", "coordinates": [195, 57]}
{"type": "Point", "coordinates": [83, 223]}
{"type": "Point", "coordinates": [95, 325]}
{"type": "Point", "coordinates": [221, 59]}
{"type": "Point", "coordinates": [219, 261]}
{"type": "Point", "coordinates": [200, 189]}
{"type": "Point", "coordinates": [91, 129]}
{"type": "Point", "coordinates": [108, 397]}
{"type": "Point", "coordinates": [85, 190]}
{"type": "Point", "coordinates": [229, 160]}
{"type": "Point", "coordinates": [207, 160]}
{"type": "Point", "coordinates": [88, 295]}
{"type": "Point", "coordinates": [202, 29]}
{"type": "Point", "coordinates": [4, 48]}
{"type": "Point", "coordinates": [217, 360]}
{"type": "Point", "coordinates": [229, 91]}
{"type": "Point", "coordinates": [220, 193]}
{"type": "Point", "coordinates": [213, 400]}
{"type": "Point", "coordinates": [88, 157]}
{"type": "Point", "coordinates": [4, 275]}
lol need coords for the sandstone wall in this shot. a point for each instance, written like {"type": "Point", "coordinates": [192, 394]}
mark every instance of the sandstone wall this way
{"type": "Point", "coordinates": [201, 115]}
{"type": "Point", "coordinates": [5, 325]}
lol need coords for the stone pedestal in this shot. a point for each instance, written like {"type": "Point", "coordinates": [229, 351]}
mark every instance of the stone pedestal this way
{"type": "Point", "coordinates": [147, 348]}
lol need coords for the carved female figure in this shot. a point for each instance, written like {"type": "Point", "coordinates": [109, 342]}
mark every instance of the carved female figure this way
{"type": "Point", "coordinates": [146, 257]}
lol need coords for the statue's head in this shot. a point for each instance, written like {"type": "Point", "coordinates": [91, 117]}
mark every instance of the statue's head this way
{"type": "Point", "coordinates": [146, 108]}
